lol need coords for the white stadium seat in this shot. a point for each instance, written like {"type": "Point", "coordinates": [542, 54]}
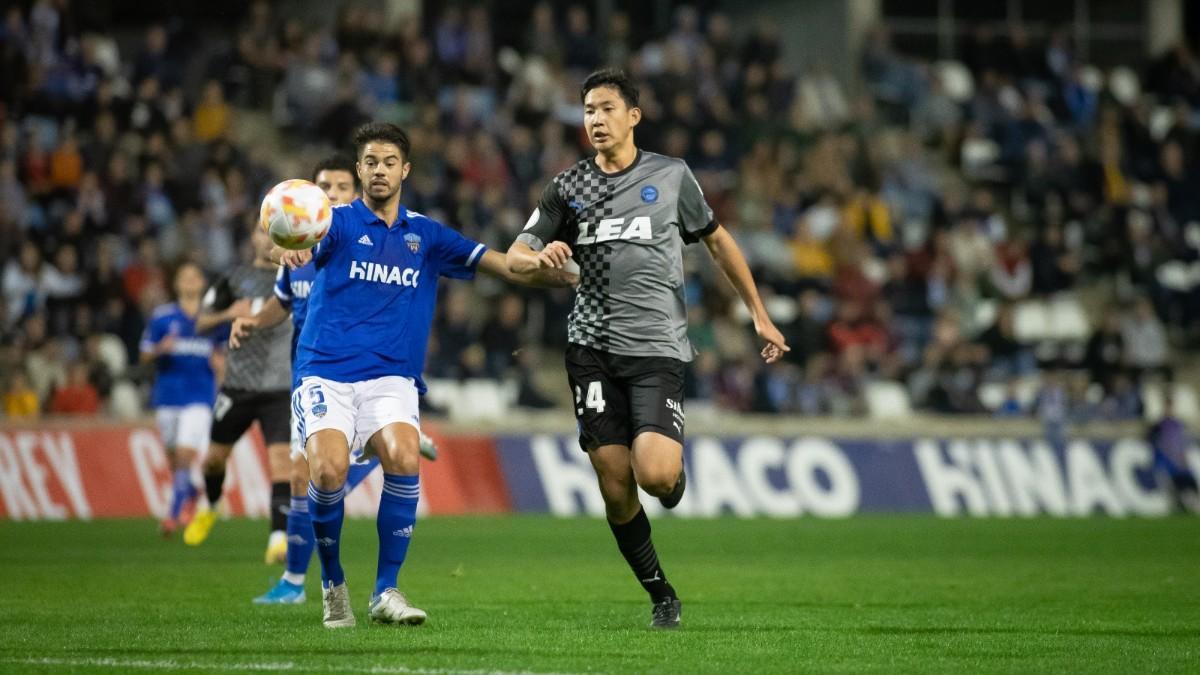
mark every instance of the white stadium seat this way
{"type": "Point", "coordinates": [956, 79]}
{"type": "Point", "coordinates": [1029, 321]}
{"type": "Point", "coordinates": [1124, 85]}
{"type": "Point", "coordinates": [112, 353]}
{"type": "Point", "coordinates": [1187, 407]}
{"type": "Point", "coordinates": [125, 402]}
{"type": "Point", "coordinates": [887, 400]}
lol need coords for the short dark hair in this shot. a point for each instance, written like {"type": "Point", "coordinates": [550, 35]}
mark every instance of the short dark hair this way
{"type": "Point", "coordinates": [611, 77]}
{"type": "Point", "coordinates": [338, 162]}
{"type": "Point", "coordinates": [381, 131]}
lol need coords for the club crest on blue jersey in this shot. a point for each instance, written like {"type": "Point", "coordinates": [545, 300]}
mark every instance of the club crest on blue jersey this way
{"type": "Point", "coordinates": [414, 241]}
{"type": "Point", "coordinates": [649, 194]}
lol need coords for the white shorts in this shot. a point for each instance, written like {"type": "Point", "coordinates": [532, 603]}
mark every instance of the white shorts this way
{"type": "Point", "coordinates": [185, 426]}
{"type": "Point", "coordinates": [357, 409]}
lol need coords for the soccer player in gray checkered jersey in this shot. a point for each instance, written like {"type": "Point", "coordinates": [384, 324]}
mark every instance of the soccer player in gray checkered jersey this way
{"type": "Point", "coordinates": [624, 215]}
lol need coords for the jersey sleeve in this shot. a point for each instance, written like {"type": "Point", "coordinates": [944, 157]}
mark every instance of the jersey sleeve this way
{"type": "Point", "coordinates": [546, 222]}
{"type": "Point", "coordinates": [332, 239]}
{"type": "Point", "coordinates": [283, 286]}
{"type": "Point", "coordinates": [695, 215]}
{"type": "Point", "coordinates": [153, 334]}
{"type": "Point", "coordinates": [457, 256]}
{"type": "Point", "coordinates": [219, 296]}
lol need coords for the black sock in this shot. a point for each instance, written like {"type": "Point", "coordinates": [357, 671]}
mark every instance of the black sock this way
{"type": "Point", "coordinates": [633, 538]}
{"type": "Point", "coordinates": [213, 484]}
{"type": "Point", "coordinates": [281, 500]}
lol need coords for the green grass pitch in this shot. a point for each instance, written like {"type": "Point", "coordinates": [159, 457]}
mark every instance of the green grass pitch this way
{"type": "Point", "coordinates": [886, 594]}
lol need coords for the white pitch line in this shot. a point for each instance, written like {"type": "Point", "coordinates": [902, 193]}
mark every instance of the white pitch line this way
{"type": "Point", "coordinates": [173, 664]}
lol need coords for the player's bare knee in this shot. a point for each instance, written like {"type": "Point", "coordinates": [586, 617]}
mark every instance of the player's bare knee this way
{"type": "Point", "coordinates": [403, 459]}
{"type": "Point", "coordinates": [328, 473]}
{"type": "Point", "coordinates": [658, 481]}
{"type": "Point", "coordinates": [214, 461]}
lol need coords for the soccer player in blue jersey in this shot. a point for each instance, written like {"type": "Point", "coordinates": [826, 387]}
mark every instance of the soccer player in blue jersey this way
{"type": "Point", "coordinates": [184, 386]}
{"type": "Point", "coordinates": [334, 175]}
{"type": "Point", "coordinates": [360, 357]}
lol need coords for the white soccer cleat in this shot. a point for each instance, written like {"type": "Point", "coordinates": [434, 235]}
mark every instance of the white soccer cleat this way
{"type": "Point", "coordinates": [392, 607]}
{"type": "Point", "coordinates": [336, 600]}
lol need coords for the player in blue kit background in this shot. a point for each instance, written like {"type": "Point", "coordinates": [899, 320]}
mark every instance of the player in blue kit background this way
{"type": "Point", "coordinates": [361, 354]}
{"type": "Point", "coordinates": [184, 386]}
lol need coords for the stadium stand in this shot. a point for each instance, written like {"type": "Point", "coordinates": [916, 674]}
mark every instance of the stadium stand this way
{"type": "Point", "coordinates": [943, 236]}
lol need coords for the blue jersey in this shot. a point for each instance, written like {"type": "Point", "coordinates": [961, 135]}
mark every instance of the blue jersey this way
{"type": "Point", "coordinates": [372, 301]}
{"type": "Point", "coordinates": [292, 287]}
{"type": "Point", "coordinates": [185, 374]}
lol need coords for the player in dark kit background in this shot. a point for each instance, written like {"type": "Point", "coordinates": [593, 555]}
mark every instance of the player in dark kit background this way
{"type": "Point", "coordinates": [256, 388]}
{"type": "Point", "coordinates": [625, 215]}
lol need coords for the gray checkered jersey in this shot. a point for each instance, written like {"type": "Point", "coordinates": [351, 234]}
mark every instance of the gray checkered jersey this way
{"type": "Point", "coordinates": [627, 232]}
{"type": "Point", "coordinates": [263, 361]}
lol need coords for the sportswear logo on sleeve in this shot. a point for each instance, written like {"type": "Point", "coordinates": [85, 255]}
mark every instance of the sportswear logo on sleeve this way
{"type": "Point", "coordinates": [533, 218]}
{"type": "Point", "coordinates": [365, 241]}
{"type": "Point", "coordinates": [413, 240]}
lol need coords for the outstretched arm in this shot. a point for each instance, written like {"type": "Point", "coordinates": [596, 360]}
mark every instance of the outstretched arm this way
{"type": "Point", "coordinates": [272, 314]}
{"type": "Point", "coordinates": [209, 320]}
{"type": "Point", "coordinates": [729, 258]}
{"type": "Point", "coordinates": [499, 265]}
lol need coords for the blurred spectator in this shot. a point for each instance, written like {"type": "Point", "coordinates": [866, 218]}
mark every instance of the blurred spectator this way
{"type": "Point", "coordinates": [212, 118]}
{"type": "Point", "coordinates": [1053, 408]}
{"type": "Point", "coordinates": [1122, 400]}
{"type": "Point", "coordinates": [1170, 440]}
{"type": "Point", "coordinates": [1145, 339]}
{"type": "Point", "coordinates": [20, 400]}
{"type": "Point", "coordinates": [23, 291]}
{"type": "Point", "coordinates": [1007, 355]}
{"type": "Point", "coordinates": [1054, 266]}
{"type": "Point", "coordinates": [62, 285]}
{"type": "Point", "coordinates": [77, 396]}
{"type": "Point", "coordinates": [1012, 274]}
{"type": "Point", "coordinates": [1105, 358]}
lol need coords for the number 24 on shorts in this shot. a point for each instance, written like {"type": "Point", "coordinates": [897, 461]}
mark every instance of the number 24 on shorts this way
{"type": "Point", "coordinates": [595, 398]}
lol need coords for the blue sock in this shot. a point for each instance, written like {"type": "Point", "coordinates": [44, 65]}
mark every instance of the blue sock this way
{"type": "Point", "coordinates": [327, 510]}
{"type": "Point", "coordinates": [181, 490]}
{"type": "Point", "coordinates": [300, 536]}
{"type": "Point", "coordinates": [397, 515]}
{"type": "Point", "coordinates": [359, 472]}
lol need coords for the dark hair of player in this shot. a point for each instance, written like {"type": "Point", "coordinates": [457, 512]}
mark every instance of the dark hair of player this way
{"type": "Point", "coordinates": [340, 162]}
{"type": "Point", "coordinates": [611, 77]}
{"type": "Point", "coordinates": [384, 132]}
{"type": "Point", "coordinates": [175, 270]}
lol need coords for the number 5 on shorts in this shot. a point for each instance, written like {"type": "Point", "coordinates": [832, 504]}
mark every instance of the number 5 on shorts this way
{"type": "Point", "coordinates": [595, 398]}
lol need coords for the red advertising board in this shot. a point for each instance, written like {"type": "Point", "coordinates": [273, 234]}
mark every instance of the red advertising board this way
{"type": "Point", "coordinates": [98, 470]}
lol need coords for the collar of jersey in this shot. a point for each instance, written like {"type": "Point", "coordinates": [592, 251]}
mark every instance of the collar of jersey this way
{"type": "Point", "coordinates": [622, 172]}
{"type": "Point", "coordinates": [368, 216]}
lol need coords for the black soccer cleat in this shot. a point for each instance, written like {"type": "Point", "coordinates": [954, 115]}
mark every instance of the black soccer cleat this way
{"type": "Point", "coordinates": [666, 613]}
{"type": "Point", "coordinates": [671, 500]}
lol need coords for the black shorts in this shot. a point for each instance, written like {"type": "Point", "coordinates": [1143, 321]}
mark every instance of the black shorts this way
{"type": "Point", "coordinates": [236, 410]}
{"type": "Point", "coordinates": [618, 397]}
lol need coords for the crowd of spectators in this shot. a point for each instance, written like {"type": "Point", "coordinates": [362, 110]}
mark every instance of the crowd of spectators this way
{"type": "Point", "coordinates": [880, 217]}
